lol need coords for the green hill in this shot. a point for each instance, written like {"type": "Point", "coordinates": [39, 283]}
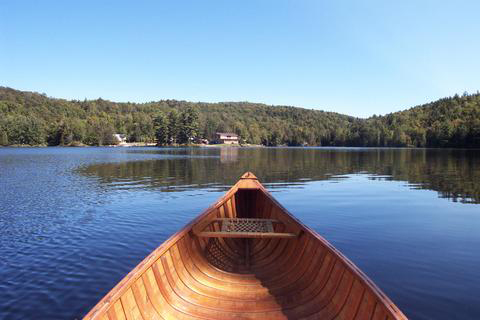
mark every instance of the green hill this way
{"type": "Point", "coordinates": [33, 118]}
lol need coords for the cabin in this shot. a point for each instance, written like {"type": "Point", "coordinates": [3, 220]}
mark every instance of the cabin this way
{"type": "Point", "coordinates": [227, 138]}
{"type": "Point", "coordinates": [120, 138]}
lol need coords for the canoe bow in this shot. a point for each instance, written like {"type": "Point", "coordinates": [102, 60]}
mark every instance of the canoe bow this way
{"type": "Point", "coordinates": [246, 257]}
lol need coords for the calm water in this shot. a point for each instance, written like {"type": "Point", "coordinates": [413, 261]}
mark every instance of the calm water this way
{"type": "Point", "coordinates": [73, 222]}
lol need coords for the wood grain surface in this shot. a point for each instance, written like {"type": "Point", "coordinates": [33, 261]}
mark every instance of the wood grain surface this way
{"type": "Point", "coordinates": [301, 276]}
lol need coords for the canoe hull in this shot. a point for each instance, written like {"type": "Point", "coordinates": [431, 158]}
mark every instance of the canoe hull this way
{"type": "Point", "coordinates": [195, 276]}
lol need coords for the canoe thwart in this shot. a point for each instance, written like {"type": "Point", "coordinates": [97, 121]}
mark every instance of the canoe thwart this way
{"type": "Point", "coordinates": [242, 228]}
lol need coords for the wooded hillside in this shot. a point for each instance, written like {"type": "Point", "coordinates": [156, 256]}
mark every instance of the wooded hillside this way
{"type": "Point", "coordinates": [33, 118]}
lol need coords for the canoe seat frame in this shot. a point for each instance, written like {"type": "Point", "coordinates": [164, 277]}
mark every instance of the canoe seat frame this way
{"type": "Point", "coordinates": [241, 228]}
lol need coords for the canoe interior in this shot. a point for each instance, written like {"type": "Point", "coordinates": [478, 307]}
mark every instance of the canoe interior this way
{"type": "Point", "coordinates": [191, 277]}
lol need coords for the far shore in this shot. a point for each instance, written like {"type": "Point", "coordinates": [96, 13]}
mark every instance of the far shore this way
{"type": "Point", "coordinates": [138, 144]}
{"type": "Point", "coordinates": [154, 145]}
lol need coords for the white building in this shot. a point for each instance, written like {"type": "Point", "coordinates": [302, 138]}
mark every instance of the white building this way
{"type": "Point", "coordinates": [121, 138]}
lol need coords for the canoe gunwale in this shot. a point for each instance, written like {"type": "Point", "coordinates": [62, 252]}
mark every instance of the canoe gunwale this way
{"type": "Point", "coordinates": [347, 262]}
{"type": "Point", "coordinates": [120, 288]}
{"type": "Point", "coordinates": [247, 182]}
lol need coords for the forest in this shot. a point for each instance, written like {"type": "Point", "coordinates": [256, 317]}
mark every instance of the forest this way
{"type": "Point", "coordinates": [29, 118]}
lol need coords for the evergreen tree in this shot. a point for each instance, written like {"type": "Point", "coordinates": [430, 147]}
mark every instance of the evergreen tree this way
{"type": "Point", "coordinates": [172, 126]}
{"type": "Point", "coordinates": [161, 129]}
{"type": "Point", "coordinates": [188, 129]}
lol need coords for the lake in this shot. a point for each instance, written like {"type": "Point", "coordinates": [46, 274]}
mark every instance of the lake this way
{"type": "Point", "coordinates": [74, 221]}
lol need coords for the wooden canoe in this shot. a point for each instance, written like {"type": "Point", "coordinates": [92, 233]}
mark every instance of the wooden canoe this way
{"type": "Point", "coordinates": [246, 257]}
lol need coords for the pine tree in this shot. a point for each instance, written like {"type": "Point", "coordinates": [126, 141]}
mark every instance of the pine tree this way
{"type": "Point", "coordinates": [188, 129]}
{"type": "Point", "coordinates": [172, 127]}
{"type": "Point", "coordinates": [161, 129]}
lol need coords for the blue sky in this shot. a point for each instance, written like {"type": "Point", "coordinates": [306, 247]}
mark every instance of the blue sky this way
{"type": "Point", "coordinates": [353, 57]}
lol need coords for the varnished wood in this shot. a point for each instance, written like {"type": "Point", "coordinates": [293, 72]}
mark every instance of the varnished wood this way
{"type": "Point", "coordinates": [266, 224]}
{"type": "Point", "coordinates": [289, 272]}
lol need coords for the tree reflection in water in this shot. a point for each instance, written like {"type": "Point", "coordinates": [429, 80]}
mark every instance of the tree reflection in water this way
{"type": "Point", "coordinates": [454, 174]}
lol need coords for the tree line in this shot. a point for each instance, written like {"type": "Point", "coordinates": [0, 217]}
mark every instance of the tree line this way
{"type": "Point", "coordinates": [30, 118]}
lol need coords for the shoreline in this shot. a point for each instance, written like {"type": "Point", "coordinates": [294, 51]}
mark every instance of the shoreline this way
{"type": "Point", "coordinates": [139, 144]}
{"type": "Point", "coordinates": [153, 145]}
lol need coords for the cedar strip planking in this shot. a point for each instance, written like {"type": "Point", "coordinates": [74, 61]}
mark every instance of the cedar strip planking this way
{"type": "Point", "coordinates": [193, 277]}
